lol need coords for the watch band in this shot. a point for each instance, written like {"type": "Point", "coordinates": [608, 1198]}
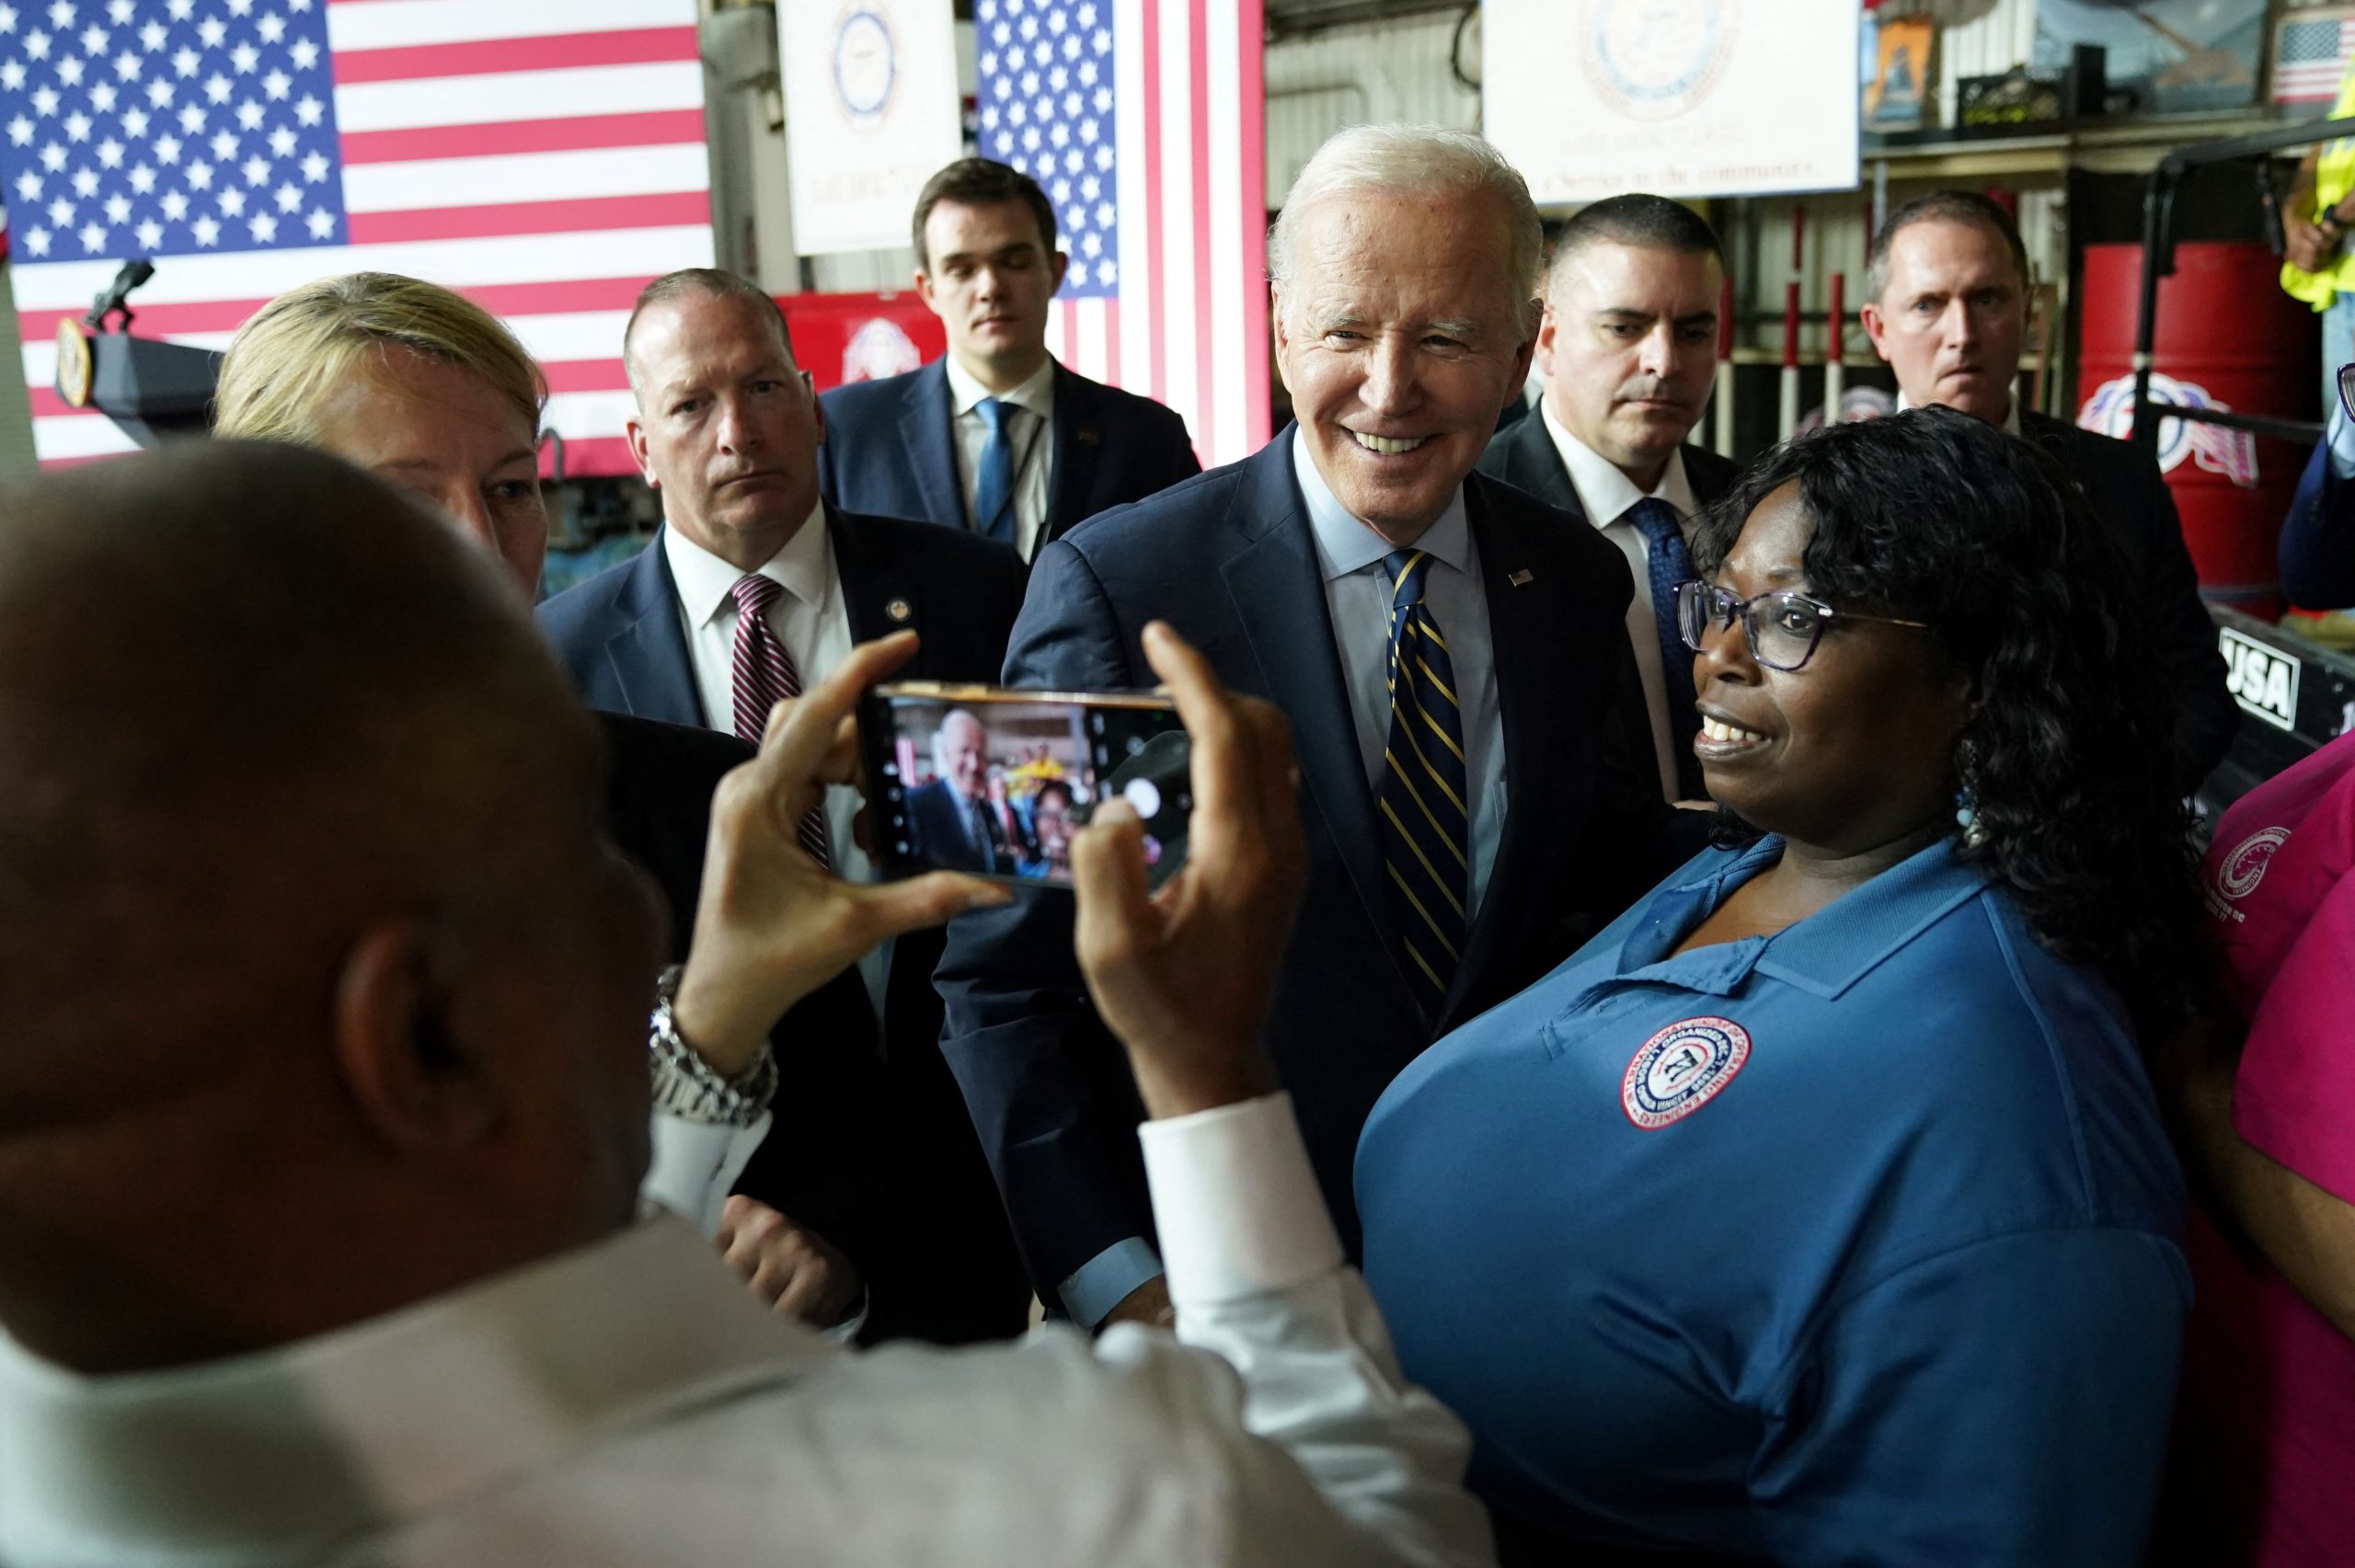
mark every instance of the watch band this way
{"type": "Point", "coordinates": [685, 1084]}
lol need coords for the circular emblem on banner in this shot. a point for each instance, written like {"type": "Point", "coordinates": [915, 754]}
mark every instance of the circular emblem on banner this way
{"type": "Point", "coordinates": [1656, 59]}
{"type": "Point", "coordinates": [1681, 1068]}
{"type": "Point", "coordinates": [74, 364]}
{"type": "Point", "coordinates": [866, 66]}
{"type": "Point", "coordinates": [880, 348]}
{"type": "Point", "coordinates": [2241, 871]}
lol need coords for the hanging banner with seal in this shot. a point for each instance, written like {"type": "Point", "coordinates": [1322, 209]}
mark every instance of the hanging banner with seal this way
{"type": "Point", "coordinates": [872, 113]}
{"type": "Point", "coordinates": [1681, 98]}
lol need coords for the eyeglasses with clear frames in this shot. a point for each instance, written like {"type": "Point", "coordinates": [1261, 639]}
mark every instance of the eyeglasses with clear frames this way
{"type": "Point", "coordinates": [1783, 627]}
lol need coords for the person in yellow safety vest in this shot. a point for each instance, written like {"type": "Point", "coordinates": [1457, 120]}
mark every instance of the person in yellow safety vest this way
{"type": "Point", "coordinates": [2320, 269]}
{"type": "Point", "coordinates": [2315, 221]}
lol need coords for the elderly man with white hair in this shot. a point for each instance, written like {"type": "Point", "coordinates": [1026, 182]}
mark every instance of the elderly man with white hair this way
{"type": "Point", "coordinates": [1474, 749]}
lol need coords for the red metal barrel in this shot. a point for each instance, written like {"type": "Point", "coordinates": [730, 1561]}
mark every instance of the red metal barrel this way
{"type": "Point", "coordinates": [2227, 337]}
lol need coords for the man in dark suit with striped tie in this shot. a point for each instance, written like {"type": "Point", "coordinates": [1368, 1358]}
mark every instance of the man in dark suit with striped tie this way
{"type": "Point", "coordinates": [1628, 350]}
{"type": "Point", "coordinates": [752, 586]}
{"type": "Point", "coordinates": [1475, 758]}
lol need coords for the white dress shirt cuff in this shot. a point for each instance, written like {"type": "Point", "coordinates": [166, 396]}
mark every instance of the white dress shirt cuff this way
{"type": "Point", "coordinates": [696, 1163]}
{"type": "Point", "coordinates": [1237, 1204]}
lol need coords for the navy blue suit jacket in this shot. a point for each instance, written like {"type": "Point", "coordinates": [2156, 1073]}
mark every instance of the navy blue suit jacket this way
{"type": "Point", "coordinates": [872, 1132]}
{"type": "Point", "coordinates": [2317, 548]}
{"type": "Point", "coordinates": [2124, 488]}
{"type": "Point", "coordinates": [891, 448]}
{"type": "Point", "coordinates": [1229, 560]}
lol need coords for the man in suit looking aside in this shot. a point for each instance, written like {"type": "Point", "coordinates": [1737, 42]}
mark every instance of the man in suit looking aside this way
{"type": "Point", "coordinates": [1451, 656]}
{"type": "Point", "coordinates": [995, 436]}
{"type": "Point", "coordinates": [753, 587]}
{"type": "Point", "coordinates": [1947, 305]}
{"type": "Point", "coordinates": [1628, 350]}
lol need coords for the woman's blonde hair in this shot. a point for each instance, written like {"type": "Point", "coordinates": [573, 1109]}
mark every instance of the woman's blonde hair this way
{"type": "Point", "coordinates": [284, 360]}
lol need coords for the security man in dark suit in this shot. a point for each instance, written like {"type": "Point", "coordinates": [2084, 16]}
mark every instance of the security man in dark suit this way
{"type": "Point", "coordinates": [995, 436]}
{"type": "Point", "coordinates": [1627, 351]}
{"type": "Point", "coordinates": [1947, 305]}
{"type": "Point", "coordinates": [1474, 755]}
{"type": "Point", "coordinates": [753, 587]}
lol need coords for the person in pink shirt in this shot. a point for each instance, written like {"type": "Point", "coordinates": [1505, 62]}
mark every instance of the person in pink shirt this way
{"type": "Point", "coordinates": [2264, 1464]}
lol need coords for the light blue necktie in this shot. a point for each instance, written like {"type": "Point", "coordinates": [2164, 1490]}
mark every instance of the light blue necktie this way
{"type": "Point", "coordinates": [1667, 563]}
{"type": "Point", "coordinates": [1426, 826]}
{"type": "Point", "coordinates": [993, 479]}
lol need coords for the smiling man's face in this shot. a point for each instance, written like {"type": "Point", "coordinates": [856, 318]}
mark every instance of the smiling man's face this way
{"type": "Point", "coordinates": [1401, 338]}
{"type": "Point", "coordinates": [727, 428]}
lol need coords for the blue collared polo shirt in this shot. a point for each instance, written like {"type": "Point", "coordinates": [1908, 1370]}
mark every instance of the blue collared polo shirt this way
{"type": "Point", "coordinates": [1858, 1243]}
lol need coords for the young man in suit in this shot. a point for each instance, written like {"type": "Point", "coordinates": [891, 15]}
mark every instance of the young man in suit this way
{"type": "Point", "coordinates": [1947, 305]}
{"type": "Point", "coordinates": [1468, 822]}
{"type": "Point", "coordinates": [1628, 351]}
{"type": "Point", "coordinates": [753, 587]}
{"type": "Point", "coordinates": [995, 436]}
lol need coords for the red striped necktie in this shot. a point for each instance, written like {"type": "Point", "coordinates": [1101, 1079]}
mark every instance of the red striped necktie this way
{"type": "Point", "coordinates": [764, 676]}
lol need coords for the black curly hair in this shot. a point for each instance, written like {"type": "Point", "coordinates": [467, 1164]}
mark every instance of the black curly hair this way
{"type": "Point", "coordinates": [1931, 515]}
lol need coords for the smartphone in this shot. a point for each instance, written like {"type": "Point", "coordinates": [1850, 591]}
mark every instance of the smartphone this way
{"type": "Point", "coordinates": [993, 782]}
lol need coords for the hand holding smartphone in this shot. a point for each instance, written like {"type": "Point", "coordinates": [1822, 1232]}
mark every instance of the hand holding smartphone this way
{"type": "Point", "coordinates": [995, 783]}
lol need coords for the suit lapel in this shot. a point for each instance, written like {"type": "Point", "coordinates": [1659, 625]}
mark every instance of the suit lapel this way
{"type": "Point", "coordinates": [1709, 474]}
{"type": "Point", "coordinates": [1078, 435]}
{"type": "Point", "coordinates": [648, 654]}
{"type": "Point", "coordinates": [879, 597]}
{"type": "Point", "coordinates": [929, 438]}
{"type": "Point", "coordinates": [1278, 589]}
{"type": "Point", "coordinates": [1524, 650]}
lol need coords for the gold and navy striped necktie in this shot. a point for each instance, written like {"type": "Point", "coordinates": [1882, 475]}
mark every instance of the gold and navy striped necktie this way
{"type": "Point", "coordinates": [1426, 825]}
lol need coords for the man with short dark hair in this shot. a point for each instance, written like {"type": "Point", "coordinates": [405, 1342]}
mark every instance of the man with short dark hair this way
{"type": "Point", "coordinates": [1628, 350]}
{"type": "Point", "coordinates": [995, 436]}
{"type": "Point", "coordinates": [327, 1107]}
{"type": "Point", "coordinates": [1947, 305]}
{"type": "Point", "coordinates": [753, 587]}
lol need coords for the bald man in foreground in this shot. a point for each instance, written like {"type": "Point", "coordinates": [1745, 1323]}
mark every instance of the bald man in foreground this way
{"type": "Point", "coordinates": [324, 1109]}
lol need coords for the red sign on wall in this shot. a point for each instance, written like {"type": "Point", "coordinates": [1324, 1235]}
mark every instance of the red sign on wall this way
{"type": "Point", "coordinates": [846, 338]}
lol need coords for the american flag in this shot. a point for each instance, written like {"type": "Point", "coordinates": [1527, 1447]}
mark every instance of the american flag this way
{"type": "Point", "coordinates": [545, 157]}
{"type": "Point", "coordinates": [1145, 121]}
{"type": "Point", "coordinates": [2309, 57]}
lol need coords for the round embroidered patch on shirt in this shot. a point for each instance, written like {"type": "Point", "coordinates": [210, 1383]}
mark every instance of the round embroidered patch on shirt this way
{"type": "Point", "coordinates": [1681, 1068]}
{"type": "Point", "coordinates": [2238, 873]}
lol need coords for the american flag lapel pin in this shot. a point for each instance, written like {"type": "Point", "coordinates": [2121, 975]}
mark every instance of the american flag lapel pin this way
{"type": "Point", "coordinates": [1521, 577]}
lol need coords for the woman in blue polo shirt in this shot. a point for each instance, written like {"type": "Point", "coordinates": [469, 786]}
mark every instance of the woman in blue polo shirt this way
{"type": "Point", "coordinates": [1819, 1211]}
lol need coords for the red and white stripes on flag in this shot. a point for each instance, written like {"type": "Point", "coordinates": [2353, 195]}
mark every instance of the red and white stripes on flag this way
{"type": "Point", "coordinates": [1186, 320]}
{"type": "Point", "coordinates": [543, 157]}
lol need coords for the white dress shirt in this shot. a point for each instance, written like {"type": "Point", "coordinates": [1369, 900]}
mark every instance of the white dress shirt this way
{"type": "Point", "coordinates": [809, 620]}
{"type": "Point", "coordinates": [631, 1402]}
{"type": "Point", "coordinates": [1357, 595]}
{"type": "Point", "coordinates": [1032, 434]}
{"type": "Point", "coordinates": [1607, 495]}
